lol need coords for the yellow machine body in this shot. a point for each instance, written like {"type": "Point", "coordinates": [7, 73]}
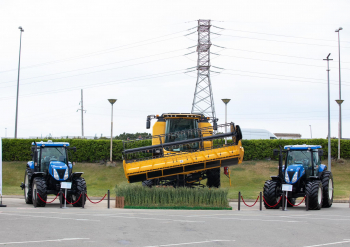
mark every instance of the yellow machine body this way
{"type": "Point", "coordinates": [176, 163]}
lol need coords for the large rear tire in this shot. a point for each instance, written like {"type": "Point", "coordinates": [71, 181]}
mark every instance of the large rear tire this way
{"type": "Point", "coordinates": [39, 186]}
{"type": "Point", "coordinates": [327, 184]}
{"type": "Point", "coordinates": [28, 197]}
{"type": "Point", "coordinates": [272, 194]}
{"type": "Point", "coordinates": [213, 178]}
{"type": "Point", "coordinates": [78, 186]}
{"type": "Point", "coordinates": [314, 190]}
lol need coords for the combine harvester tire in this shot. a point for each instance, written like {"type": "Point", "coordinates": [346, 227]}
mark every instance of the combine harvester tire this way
{"type": "Point", "coordinates": [213, 178]}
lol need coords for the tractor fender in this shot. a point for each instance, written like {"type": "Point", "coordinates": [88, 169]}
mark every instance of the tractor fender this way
{"type": "Point", "coordinates": [322, 168]}
{"type": "Point", "coordinates": [77, 174]}
{"type": "Point", "coordinates": [30, 164]}
{"type": "Point", "coordinates": [36, 174]}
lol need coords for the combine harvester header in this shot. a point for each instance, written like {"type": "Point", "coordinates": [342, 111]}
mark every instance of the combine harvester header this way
{"type": "Point", "coordinates": [186, 156]}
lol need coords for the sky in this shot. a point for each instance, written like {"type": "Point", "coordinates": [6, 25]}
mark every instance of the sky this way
{"type": "Point", "coordinates": [271, 54]}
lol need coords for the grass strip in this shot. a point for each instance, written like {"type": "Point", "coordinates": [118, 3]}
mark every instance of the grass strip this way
{"type": "Point", "coordinates": [178, 207]}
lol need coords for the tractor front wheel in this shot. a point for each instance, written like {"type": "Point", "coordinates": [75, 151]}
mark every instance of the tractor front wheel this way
{"type": "Point", "coordinates": [39, 186]}
{"type": "Point", "coordinates": [292, 201]}
{"type": "Point", "coordinates": [28, 187]}
{"type": "Point", "coordinates": [314, 190]}
{"type": "Point", "coordinates": [213, 178]}
{"type": "Point", "coordinates": [78, 186]}
{"type": "Point", "coordinates": [327, 184]}
{"type": "Point", "coordinates": [272, 194]}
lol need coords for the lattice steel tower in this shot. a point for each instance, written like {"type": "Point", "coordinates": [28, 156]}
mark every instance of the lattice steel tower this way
{"type": "Point", "coordinates": [203, 101]}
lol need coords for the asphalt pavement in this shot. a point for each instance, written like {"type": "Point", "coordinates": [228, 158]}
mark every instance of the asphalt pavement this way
{"type": "Point", "coordinates": [95, 225]}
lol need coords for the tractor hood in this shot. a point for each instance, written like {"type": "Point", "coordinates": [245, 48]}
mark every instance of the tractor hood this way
{"type": "Point", "coordinates": [293, 173]}
{"type": "Point", "coordinates": [59, 170]}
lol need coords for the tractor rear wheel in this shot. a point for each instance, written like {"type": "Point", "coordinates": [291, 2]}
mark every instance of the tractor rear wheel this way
{"type": "Point", "coordinates": [39, 186]}
{"type": "Point", "coordinates": [272, 194]}
{"type": "Point", "coordinates": [314, 190]}
{"type": "Point", "coordinates": [78, 186]}
{"type": "Point", "coordinates": [28, 187]}
{"type": "Point", "coordinates": [327, 184]}
{"type": "Point", "coordinates": [213, 178]}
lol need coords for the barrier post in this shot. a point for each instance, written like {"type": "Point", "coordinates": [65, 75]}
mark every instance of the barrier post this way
{"type": "Point", "coordinates": [61, 198]}
{"type": "Point", "coordinates": [283, 201]}
{"type": "Point", "coordinates": [35, 198]}
{"type": "Point", "coordinates": [260, 201]}
{"type": "Point", "coordinates": [307, 202]}
{"type": "Point", "coordinates": [83, 199]}
{"type": "Point", "coordinates": [239, 201]}
{"type": "Point", "coordinates": [108, 200]}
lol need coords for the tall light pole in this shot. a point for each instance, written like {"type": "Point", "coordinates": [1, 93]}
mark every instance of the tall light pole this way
{"type": "Point", "coordinates": [112, 101]}
{"type": "Point", "coordinates": [226, 102]}
{"type": "Point", "coordinates": [5, 132]}
{"type": "Point", "coordinates": [310, 131]}
{"type": "Point", "coordinates": [19, 66]}
{"type": "Point", "coordinates": [329, 117]}
{"type": "Point", "coordinates": [82, 115]}
{"type": "Point", "coordinates": [339, 101]}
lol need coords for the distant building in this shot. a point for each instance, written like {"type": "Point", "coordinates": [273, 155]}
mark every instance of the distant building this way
{"type": "Point", "coordinates": [287, 136]}
{"type": "Point", "coordinates": [256, 134]}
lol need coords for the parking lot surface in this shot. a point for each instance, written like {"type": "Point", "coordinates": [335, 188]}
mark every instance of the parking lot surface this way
{"type": "Point", "coordinates": [22, 224]}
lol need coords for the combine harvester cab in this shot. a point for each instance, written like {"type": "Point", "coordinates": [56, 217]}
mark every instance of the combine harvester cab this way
{"type": "Point", "coordinates": [185, 149]}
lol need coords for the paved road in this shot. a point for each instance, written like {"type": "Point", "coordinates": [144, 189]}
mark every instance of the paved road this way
{"type": "Point", "coordinates": [21, 224]}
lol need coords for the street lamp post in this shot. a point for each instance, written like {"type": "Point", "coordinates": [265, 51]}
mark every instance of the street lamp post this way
{"type": "Point", "coordinates": [19, 66]}
{"type": "Point", "coordinates": [339, 101]}
{"type": "Point", "coordinates": [226, 102]}
{"type": "Point", "coordinates": [329, 118]}
{"type": "Point", "coordinates": [112, 101]}
{"type": "Point", "coordinates": [310, 131]}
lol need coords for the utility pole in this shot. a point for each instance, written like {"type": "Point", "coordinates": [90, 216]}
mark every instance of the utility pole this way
{"type": "Point", "coordinates": [19, 67]}
{"type": "Point", "coordinates": [82, 115]}
{"type": "Point", "coordinates": [203, 101]}
{"type": "Point", "coordinates": [329, 117]}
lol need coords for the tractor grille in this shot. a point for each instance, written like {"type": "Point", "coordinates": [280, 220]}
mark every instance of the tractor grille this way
{"type": "Point", "coordinates": [290, 174]}
{"type": "Point", "coordinates": [61, 172]}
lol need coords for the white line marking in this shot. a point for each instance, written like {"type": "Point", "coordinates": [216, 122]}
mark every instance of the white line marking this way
{"type": "Point", "coordinates": [343, 242]}
{"type": "Point", "coordinates": [134, 217]}
{"type": "Point", "coordinates": [43, 241]}
{"type": "Point", "coordinates": [202, 242]}
{"type": "Point", "coordinates": [47, 217]}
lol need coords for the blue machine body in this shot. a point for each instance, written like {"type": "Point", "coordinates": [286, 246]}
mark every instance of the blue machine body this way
{"type": "Point", "coordinates": [59, 170]}
{"type": "Point", "coordinates": [296, 170]}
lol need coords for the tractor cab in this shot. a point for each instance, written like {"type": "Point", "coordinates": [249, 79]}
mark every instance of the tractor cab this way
{"type": "Point", "coordinates": [302, 162]}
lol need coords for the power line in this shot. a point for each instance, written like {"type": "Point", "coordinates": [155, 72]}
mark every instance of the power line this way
{"type": "Point", "coordinates": [100, 52]}
{"type": "Point", "coordinates": [91, 67]}
{"type": "Point", "coordinates": [140, 78]}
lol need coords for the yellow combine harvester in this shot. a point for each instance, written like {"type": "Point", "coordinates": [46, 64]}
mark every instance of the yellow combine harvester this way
{"type": "Point", "coordinates": [185, 149]}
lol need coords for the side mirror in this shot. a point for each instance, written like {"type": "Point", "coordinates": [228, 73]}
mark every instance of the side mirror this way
{"type": "Point", "coordinates": [148, 123]}
{"type": "Point", "coordinates": [276, 152]}
{"type": "Point", "coordinates": [215, 125]}
{"type": "Point", "coordinates": [35, 157]}
{"type": "Point", "coordinates": [320, 152]}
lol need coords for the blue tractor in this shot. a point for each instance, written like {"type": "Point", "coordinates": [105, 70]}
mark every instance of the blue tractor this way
{"type": "Point", "coordinates": [48, 168]}
{"type": "Point", "coordinates": [303, 170]}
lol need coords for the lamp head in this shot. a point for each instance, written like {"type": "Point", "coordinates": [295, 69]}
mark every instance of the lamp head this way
{"type": "Point", "coordinates": [225, 100]}
{"type": "Point", "coordinates": [112, 101]}
{"type": "Point", "coordinates": [20, 28]}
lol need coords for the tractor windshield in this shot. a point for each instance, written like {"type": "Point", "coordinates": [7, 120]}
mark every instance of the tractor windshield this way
{"type": "Point", "coordinates": [182, 127]}
{"type": "Point", "coordinates": [303, 157]}
{"type": "Point", "coordinates": [49, 154]}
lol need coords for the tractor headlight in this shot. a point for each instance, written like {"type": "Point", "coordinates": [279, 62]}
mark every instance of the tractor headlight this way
{"type": "Point", "coordinates": [66, 175]}
{"type": "Point", "coordinates": [295, 177]}
{"type": "Point", "coordinates": [286, 177]}
{"type": "Point", "coordinates": [55, 174]}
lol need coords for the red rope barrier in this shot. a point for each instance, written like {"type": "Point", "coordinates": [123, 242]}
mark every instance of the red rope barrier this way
{"type": "Point", "coordinates": [46, 201]}
{"type": "Point", "coordinates": [298, 204]}
{"type": "Point", "coordinates": [273, 205]}
{"type": "Point", "coordinates": [247, 204]}
{"type": "Point", "coordinates": [96, 202]}
{"type": "Point", "coordinates": [71, 202]}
